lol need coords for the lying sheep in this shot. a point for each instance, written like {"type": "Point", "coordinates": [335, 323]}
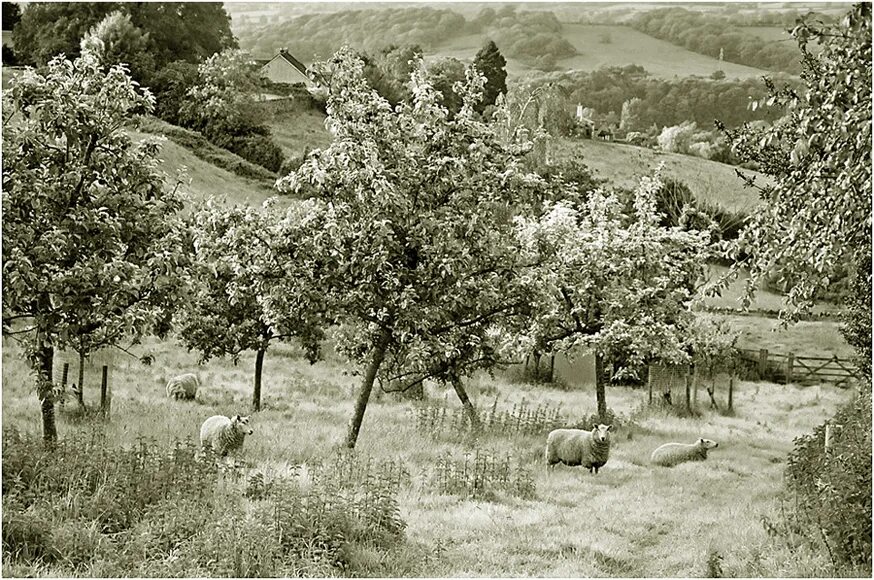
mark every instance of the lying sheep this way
{"type": "Point", "coordinates": [671, 454]}
{"type": "Point", "coordinates": [183, 387]}
{"type": "Point", "coordinates": [577, 447]}
{"type": "Point", "coordinates": [223, 434]}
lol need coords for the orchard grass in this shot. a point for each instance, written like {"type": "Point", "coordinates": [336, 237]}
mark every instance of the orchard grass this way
{"type": "Point", "coordinates": [629, 520]}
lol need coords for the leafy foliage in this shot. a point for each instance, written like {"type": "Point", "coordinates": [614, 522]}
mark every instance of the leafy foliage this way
{"type": "Point", "coordinates": [818, 214]}
{"type": "Point", "coordinates": [87, 508]}
{"type": "Point", "coordinates": [389, 72]}
{"type": "Point", "coordinates": [482, 475]}
{"type": "Point", "coordinates": [664, 102]}
{"type": "Point", "coordinates": [187, 31]}
{"type": "Point", "coordinates": [490, 63]}
{"type": "Point", "coordinates": [832, 489]}
{"type": "Point", "coordinates": [443, 74]}
{"type": "Point", "coordinates": [318, 36]}
{"type": "Point", "coordinates": [416, 241]}
{"type": "Point", "coordinates": [219, 105]}
{"type": "Point", "coordinates": [533, 37]}
{"type": "Point", "coordinates": [117, 41]}
{"type": "Point", "coordinates": [236, 267]}
{"type": "Point", "coordinates": [817, 220]}
{"type": "Point", "coordinates": [92, 245]}
{"type": "Point", "coordinates": [623, 285]}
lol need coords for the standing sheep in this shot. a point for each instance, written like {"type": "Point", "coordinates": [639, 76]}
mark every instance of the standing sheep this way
{"type": "Point", "coordinates": [577, 447]}
{"type": "Point", "coordinates": [183, 387]}
{"type": "Point", "coordinates": [224, 434]}
{"type": "Point", "coordinates": [671, 454]}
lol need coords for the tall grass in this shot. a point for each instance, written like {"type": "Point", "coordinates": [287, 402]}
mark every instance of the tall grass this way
{"type": "Point", "coordinates": [404, 503]}
{"type": "Point", "coordinates": [87, 508]}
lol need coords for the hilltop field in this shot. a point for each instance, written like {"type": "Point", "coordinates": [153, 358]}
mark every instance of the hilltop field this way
{"type": "Point", "coordinates": [610, 45]}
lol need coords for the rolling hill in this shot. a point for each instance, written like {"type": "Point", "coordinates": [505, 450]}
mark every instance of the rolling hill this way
{"type": "Point", "coordinates": [202, 179]}
{"type": "Point", "coordinates": [623, 165]}
{"type": "Point", "coordinates": [625, 46]}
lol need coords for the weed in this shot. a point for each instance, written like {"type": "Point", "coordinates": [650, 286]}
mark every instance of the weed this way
{"type": "Point", "coordinates": [714, 564]}
{"type": "Point", "coordinates": [520, 419]}
{"type": "Point", "coordinates": [481, 476]}
{"type": "Point", "coordinates": [150, 510]}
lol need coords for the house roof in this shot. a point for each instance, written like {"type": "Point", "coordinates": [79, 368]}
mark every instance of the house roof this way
{"type": "Point", "coordinates": [287, 57]}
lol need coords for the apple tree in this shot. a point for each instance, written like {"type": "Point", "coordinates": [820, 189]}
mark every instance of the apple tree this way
{"type": "Point", "coordinates": [618, 284]}
{"type": "Point", "coordinates": [235, 270]}
{"type": "Point", "coordinates": [418, 253]}
{"type": "Point", "coordinates": [92, 245]}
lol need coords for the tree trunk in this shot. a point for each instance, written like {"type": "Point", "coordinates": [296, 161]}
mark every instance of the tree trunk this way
{"type": "Point", "coordinates": [552, 368]}
{"type": "Point", "coordinates": [469, 409]}
{"type": "Point", "coordinates": [256, 393]}
{"type": "Point", "coordinates": [364, 393]}
{"type": "Point", "coordinates": [600, 394]}
{"type": "Point", "coordinates": [80, 397]}
{"type": "Point", "coordinates": [45, 393]}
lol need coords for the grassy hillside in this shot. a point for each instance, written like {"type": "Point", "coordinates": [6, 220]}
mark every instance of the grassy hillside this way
{"type": "Point", "coordinates": [628, 46]}
{"type": "Point", "coordinates": [623, 165]}
{"type": "Point", "coordinates": [295, 130]}
{"type": "Point", "coordinates": [627, 521]}
{"type": "Point", "coordinates": [620, 164]}
{"type": "Point", "coordinates": [202, 179]}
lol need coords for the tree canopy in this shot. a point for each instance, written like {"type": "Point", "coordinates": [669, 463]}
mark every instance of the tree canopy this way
{"type": "Point", "coordinates": [418, 255]}
{"type": "Point", "coordinates": [243, 297]}
{"type": "Point", "coordinates": [91, 243]}
{"type": "Point", "coordinates": [188, 31]}
{"type": "Point", "coordinates": [490, 63]}
{"type": "Point", "coordinates": [817, 216]}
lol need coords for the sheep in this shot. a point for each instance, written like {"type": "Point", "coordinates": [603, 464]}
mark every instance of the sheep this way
{"type": "Point", "coordinates": [671, 454]}
{"type": "Point", "coordinates": [223, 434]}
{"type": "Point", "coordinates": [183, 387]}
{"type": "Point", "coordinates": [578, 447]}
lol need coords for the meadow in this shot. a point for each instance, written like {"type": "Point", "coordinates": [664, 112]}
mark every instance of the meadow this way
{"type": "Point", "coordinates": [623, 165]}
{"type": "Point", "coordinates": [514, 518]}
{"type": "Point", "coordinates": [604, 45]}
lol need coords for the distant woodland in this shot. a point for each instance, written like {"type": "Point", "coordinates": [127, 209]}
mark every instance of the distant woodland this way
{"type": "Point", "coordinates": [533, 38]}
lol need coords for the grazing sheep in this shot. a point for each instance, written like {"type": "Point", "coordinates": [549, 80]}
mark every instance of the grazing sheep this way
{"type": "Point", "coordinates": [183, 387]}
{"type": "Point", "coordinates": [671, 454]}
{"type": "Point", "coordinates": [577, 447]}
{"type": "Point", "coordinates": [224, 434]}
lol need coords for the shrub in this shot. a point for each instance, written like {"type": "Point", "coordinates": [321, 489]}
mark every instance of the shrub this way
{"type": "Point", "coordinates": [832, 489]}
{"type": "Point", "coordinates": [156, 511]}
{"type": "Point", "coordinates": [258, 149]}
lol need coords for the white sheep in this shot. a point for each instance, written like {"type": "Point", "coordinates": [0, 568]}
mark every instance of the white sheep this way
{"type": "Point", "coordinates": [223, 434]}
{"type": "Point", "coordinates": [671, 454]}
{"type": "Point", "coordinates": [591, 449]}
{"type": "Point", "coordinates": [183, 387]}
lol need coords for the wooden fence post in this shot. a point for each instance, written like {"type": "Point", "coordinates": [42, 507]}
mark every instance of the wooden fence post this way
{"type": "Point", "coordinates": [649, 381]}
{"type": "Point", "coordinates": [790, 364]}
{"type": "Point", "coordinates": [763, 362]}
{"type": "Point", "coordinates": [104, 395]}
{"type": "Point", "coordinates": [695, 378]}
{"type": "Point", "coordinates": [828, 437]}
{"type": "Point", "coordinates": [551, 367]}
{"type": "Point", "coordinates": [64, 374]}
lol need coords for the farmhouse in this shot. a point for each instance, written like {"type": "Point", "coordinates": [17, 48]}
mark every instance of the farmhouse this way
{"type": "Point", "coordinates": [284, 68]}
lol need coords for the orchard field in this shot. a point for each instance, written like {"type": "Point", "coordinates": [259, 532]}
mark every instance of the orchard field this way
{"type": "Point", "coordinates": [361, 269]}
{"type": "Point", "coordinates": [632, 519]}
